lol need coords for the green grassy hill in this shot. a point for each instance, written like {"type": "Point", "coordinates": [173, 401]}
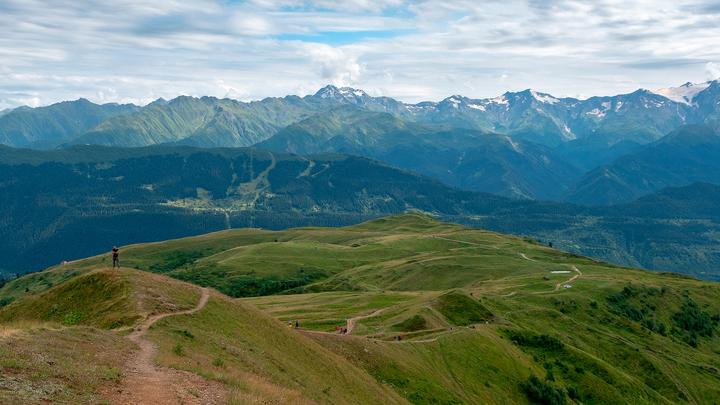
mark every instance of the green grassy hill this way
{"type": "Point", "coordinates": [435, 313]}
{"type": "Point", "coordinates": [66, 344]}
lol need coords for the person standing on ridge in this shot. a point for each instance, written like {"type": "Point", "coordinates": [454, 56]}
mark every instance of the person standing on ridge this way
{"type": "Point", "coordinates": [116, 257]}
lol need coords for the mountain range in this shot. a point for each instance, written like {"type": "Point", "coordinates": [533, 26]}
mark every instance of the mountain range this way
{"type": "Point", "coordinates": [642, 116]}
{"type": "Point", "coordinates": [527, 144]}
{"type": "Point", "coordinates": [567, 171]}
{"type": "Point", "coordinates": [358, 253]}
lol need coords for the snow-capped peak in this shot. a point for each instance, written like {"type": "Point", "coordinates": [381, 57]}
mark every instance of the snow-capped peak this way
{"type": "Point", "coordinates": [350, 92]}
{"type": "Point", "coordinates": [331, 91]}
{"type": "Point", "coordinates": [544, 98]}
{"type": "Point", "coordinates": [328, 91]}
{"type": "Point", "coordinates": [684, 94]}
{"type": "Point", "coordinates": [500, 100]}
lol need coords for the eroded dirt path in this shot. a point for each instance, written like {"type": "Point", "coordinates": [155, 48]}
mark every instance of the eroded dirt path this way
{"type": "Point", "coordinates": [524, 256]}
{"type": "Point", "coordinates": [352, 321]}
{"type": "Point", "coordinates": [146, 383]}
{"type": "Point", "coordinates": [573, 278]}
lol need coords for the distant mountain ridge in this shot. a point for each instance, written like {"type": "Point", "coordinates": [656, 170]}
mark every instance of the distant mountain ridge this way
{"type": "Point", "coordinates": [49, 126]}
{"type": "Point", "coordinates": [525, 144]}
{"type": "Point", "coordinates": [641, 116]}
{"type": "Point", "coordinates": [465, 158]}
{"type": "Point", "coordinates": [687, 155]}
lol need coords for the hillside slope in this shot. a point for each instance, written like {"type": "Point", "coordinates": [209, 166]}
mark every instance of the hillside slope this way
{"type": "Point", "coordinates": [251, 357]}
{"type": "Point", "coordinates": [47, 127]}
{"type": "Point", "coordinates": [71, 203]}
{"type": "Point", "coordinates": [433, 313]}
{"type": "Point", "coordinates": [687, 155]}
{"type": "Point", "coordinates": [464, 158]}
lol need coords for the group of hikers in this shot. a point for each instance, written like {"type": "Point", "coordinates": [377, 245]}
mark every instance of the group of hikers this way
{"type": "Point", "coordinates": [294, 325]}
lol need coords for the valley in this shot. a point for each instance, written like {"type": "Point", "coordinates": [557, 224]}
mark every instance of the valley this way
{"type": "Point", "coordinates": [561, 170]}
{"type": "Point", "coordinates": [71, 203]}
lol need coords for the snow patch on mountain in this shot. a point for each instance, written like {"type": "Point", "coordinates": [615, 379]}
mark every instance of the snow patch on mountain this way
{"type": "Point", "coordinates": [420, 107]}
{"type": "Point", "coordinates": [343, 93]}
{"type": "Point", "coordinates": [455, 101]}
{"type": "Point", "coordinates": [500, 100]}
{"type": "Point", "coordinates": [596, 112]}
{"type": "Point", "coordinates": [684, 94]}
{"type": "Point", "coordinates": [544, 98]}
{"type": "Point", "coordinates": [514, 145]}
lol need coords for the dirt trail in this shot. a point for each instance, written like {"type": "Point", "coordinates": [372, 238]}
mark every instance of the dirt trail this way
{"type": "Point", "coordinates": [573, 278]}
{"type": "Point", "coordinates": [352, 321]}
{"type": "Point", "coordinates": [429, 340]}
{"type": "Point", "coordinates": [146, 383]}
{"type": "Point", "coordinates": [524, 256]}
{"type": "Point", "coordinates": [466, 242]}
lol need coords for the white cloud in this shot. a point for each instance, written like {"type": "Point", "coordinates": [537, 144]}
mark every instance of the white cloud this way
{"type": "Point", "coordinates": [336, 65]}
{"type": "Point", "coordinates": [253, 25]}
{"type": "Point", "coordinates": [713, 70]}
{"type": "Point", "coordinates": [137, 50]}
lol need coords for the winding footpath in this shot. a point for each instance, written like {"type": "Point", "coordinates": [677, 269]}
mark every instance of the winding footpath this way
{"type": "Point", "coordinates": [146, 383]}
{"type": "Point", "coordinates": [573, 278]}
{"type": "Point", "coordinates": [352, 321]}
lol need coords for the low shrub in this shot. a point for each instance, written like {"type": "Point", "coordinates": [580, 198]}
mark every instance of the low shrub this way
{"type": "Point", "coordinates": [543, 392]}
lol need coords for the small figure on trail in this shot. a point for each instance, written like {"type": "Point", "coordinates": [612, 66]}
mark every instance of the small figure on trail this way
{"type": "Point", "coordinates": [116, 257]}
{"type": "Point", "coordinates": [290, 324]}
{"type": "Point", "coordinates": [297, 324]}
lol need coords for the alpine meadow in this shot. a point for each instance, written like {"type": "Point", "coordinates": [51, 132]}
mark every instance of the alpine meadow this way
{"type": "Point", "coordinates": [360, 202]}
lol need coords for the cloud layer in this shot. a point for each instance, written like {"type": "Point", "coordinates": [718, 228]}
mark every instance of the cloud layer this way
{"type": "Point", "coordinates": [139, 50]}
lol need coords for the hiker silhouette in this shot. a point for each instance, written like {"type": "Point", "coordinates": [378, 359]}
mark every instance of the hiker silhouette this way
{"type": "Point", "coordinates": [115, 257]}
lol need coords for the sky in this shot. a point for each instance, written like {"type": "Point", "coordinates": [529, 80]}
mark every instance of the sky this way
{"type": "Point", "coordinates": [135, 51]}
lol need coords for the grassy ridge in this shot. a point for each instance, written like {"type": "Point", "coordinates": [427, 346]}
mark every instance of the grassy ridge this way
{"type": "Point", "coordinates": [408, 252]}
{"type": "Point", "coordinates": [97, 299]}
{"type": "Point", "coordinates": [256, 356]}
{"type": "Point", "coordinates": [440, 313]}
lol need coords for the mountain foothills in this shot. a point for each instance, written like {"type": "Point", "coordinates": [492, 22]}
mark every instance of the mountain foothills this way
{"type": "Point", "coordinates": [522, 145]}
{"type": "Point", "coordinates": [76, 177]}
{"type": "Point", "coordinates": [687, 155]}
{"type": "Point", "coordinates": [70, 203]}
{"type": "Point", "coordinates": [465, 158]}
{"type": "Point", "coordinates": [428, 313]}
{"type": "Point", "coordinates": [45, 127]}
